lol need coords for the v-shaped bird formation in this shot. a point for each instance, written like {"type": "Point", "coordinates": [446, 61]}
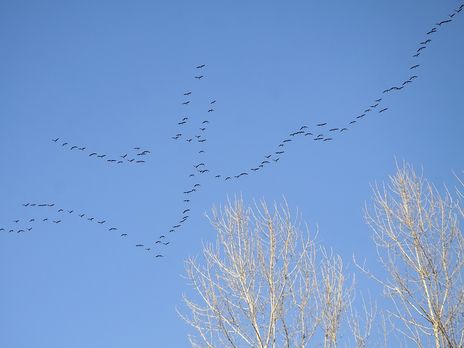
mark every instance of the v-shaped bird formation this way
{"type": "Point", "coordinates": [193, 131]}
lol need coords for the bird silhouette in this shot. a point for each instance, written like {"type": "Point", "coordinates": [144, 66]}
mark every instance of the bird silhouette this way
{"type": "Point", "coordinates": [383, 110]}
{"type": "Point", "coordinates": [199, 77]}
{"type": "Point", "coordinates": [426, 42]}
{"type": "Point", "coordinates": [159, 255]}
{"type": "Point", "coordinates": [55, 140]}
{"type": "Point", "coordinates": [139, 245]}
{"type": "Point", "coordinates": [201, 66]}
{"type": "Point", "coordinates": [186, 102]}
{"type": "Point", "coordinates": [321, 124]}
{"type": "Point", "coordinates": [414, 66]}
{"type": "Point", "coordinates": [124, 235]}
{"type": "Point", "coordinates": [210, 110]}
{"type": "Point", "coordinates": [81, 215]}
{"type": "Point", "coordinates": [343, 129]}
{"type": "Point", "coordinates": [56, 221]}
{"type": "Point", "coordinates": [444, 22]}
{"type": "Point", "coordinates": [333, 129]}
{"type": "Point", "coordinates": [187, 93]}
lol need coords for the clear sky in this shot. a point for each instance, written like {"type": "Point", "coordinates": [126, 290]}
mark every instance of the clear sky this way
{"type": "Point", "coordinates": [110, 76]}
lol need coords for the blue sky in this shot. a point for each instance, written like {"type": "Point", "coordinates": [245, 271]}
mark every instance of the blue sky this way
{"type": "Point", "coordinates": [110, 76]}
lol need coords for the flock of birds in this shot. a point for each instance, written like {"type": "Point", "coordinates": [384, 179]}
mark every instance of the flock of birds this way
{"type": "Point", "coordinates": [320, 132]}
{"type": "Point", "coordinates": [136, 155]}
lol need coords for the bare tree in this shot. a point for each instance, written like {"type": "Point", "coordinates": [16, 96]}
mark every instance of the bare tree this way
{"type": "Point", "coordinates": [421, 247]}
{"type": "Point", "coordinates": [262, 285]}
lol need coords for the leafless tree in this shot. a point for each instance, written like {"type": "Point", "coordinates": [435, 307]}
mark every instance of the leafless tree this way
{"type": "Point", "coordinates": [263, 285]}
{"type": "Point", "coordinates": [421, 247]}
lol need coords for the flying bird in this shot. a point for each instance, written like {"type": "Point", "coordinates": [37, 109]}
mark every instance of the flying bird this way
{"type": "Point", "coordinates": [201, 66]}
{"type": "Point", "coordinates": [199, 77]}
{"type": "Point", "coordinates": [414, 66]}
{"type": "Point", "coordinates": [443, 22]}
{"type": "Point", "coordinates": [214, 101]}
{"type": "Point", "coordinates": [124, 235]}
{"type": "Point", "coordinates": [352, 122]}
{"type": "Point", "coordinates": [327, 139]}
{"type": "Point", "coordinates": [159, 255]}
{"type": "Point", "coordinates": [81, 215]}
{"type": "Point", "coordinates": [139, 245]}
{"type": "Point", "coordinates": [426, 42]}
{"type": "Point", "coordinates": [55, 140]}
{"type": "Point", "coordinates": [186, 102]}
{"type": "Point", "coordinates": [93, 154]}
{"type": "Point", "coordinates": [210, 110]}
{"type": "Point", "coordinates": [187, 93]}
{"type": "Point", "coordinates": [383, 110]}
{"type": "Point", "coordinates": [321, 124]}
{"type": "Point", "coordinates": [333, 129]}
{"type": "Point", "coordinates": [101, 222]}
{"type": "Point", "coordinates": [343, 129]}
{"type": "Point", "coordinates": [56, 221]}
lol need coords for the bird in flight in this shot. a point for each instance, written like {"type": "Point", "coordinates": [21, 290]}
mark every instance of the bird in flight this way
{"type": "Point", "coordinates": [199, 77]}
{"type": "Point", "coordinates": [55, 140]}
{"type": "Point", "coordinates": [124, 235]}
{"type": "Point", "coordinates": [56, 221]}
{"type": "Point", "coordinates": [383, 110]}
{"type": "Point", "coordinates": [210, 110]}
{"type": "Point", "coordinates": [426, 42]}
{"type": "Point", "coordinates": [443, 22]}
{"type": "Point", "coordinates": [343, 129]}
{"type": "Point", "coordinates": [159, 255]}
{"type": "Point", "coordinates": [187, 93]}
{"type": "Point", "coordinates": [81, 215]}
{"type": "Point", "coordinates": [139, 245]}
{"type": "Point", "coordinates": [414, 66]}
{"type": "Point", "coordinates": [186, 102]}
{"type": "Point", "coordinates": [434, 30]}
{"type": "Point", "coordinates": [333, 129]}
{"type": "Point", "coordinates": [321, 124]}
{"type": "Point", "coordinates": [201, 66]}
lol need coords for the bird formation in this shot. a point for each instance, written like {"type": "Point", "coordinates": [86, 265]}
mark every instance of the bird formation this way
{"type": "Point", "coordinates": [322, 132]}
{"type": "Point", "coordinates": [318, 132]}
{"type": "Point", "coordinates": [58, 215]}
{"type": "Point", "coordinates": [136, 155]}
